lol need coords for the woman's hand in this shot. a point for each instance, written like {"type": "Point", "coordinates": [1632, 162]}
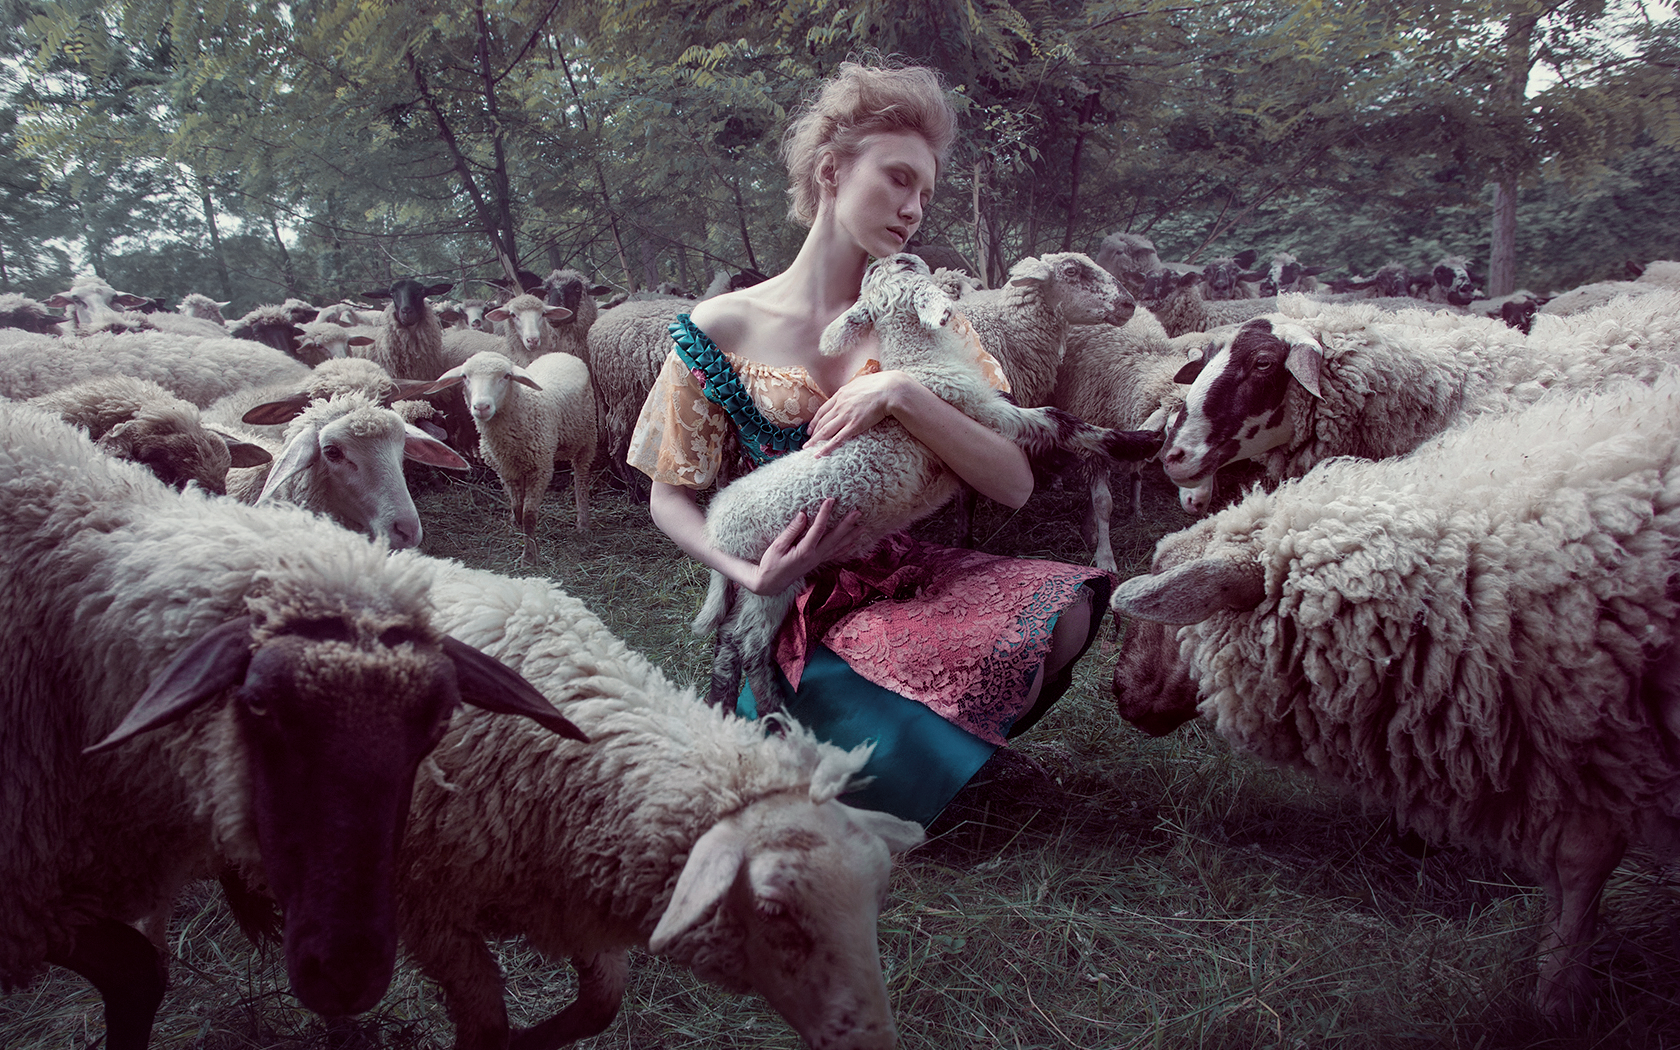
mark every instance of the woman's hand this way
{"type": "Point", "coordinates": [805, 544]}
{"type": "Point", "coordinates": [855, 407]}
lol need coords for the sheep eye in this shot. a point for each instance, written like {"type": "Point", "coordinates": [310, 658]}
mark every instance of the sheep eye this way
{"type": "Point", "coordinates": [333, 453]}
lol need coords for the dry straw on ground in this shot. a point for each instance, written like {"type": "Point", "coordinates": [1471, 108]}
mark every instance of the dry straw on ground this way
{"type": "Point", "coordinates": [1106, 891]}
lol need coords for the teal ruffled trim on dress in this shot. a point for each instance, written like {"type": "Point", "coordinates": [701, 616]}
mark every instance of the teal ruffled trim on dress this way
{"type": "Point", "coordinates": [920, 760]}
{"type": "Point", "coordinates": [761, 439]}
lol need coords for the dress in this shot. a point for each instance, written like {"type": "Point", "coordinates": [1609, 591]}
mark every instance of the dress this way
{"type": "Point", "coordinates": [928, 650]}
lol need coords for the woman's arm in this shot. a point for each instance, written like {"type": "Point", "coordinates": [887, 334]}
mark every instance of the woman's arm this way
{"type": "Point", "coordinates": [990, 463]}
{"type": "Point", "coordinates": [799, 549]}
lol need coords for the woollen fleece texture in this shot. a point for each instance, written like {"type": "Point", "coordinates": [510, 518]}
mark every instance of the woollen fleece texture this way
{"type": "Point", "coordinates": [1025, 326]}
{"type": "Point", "coordinates": [138, 420]}
{"type": "Point", "coordinates": [578, 847]}
{"type": "Point", "coordinates": [627, 347]}
{"type": "Point", "coordinates": [407, 352]}
{"type": "Point", "coordinates": [534, 429]}
{"type": "Point", "coordinates": [197, 370]}
{"type": "Point", "coordinates": [105, 575]}
{"type": "Point", "coordinates": [1460, 634]}
{"type": "Point", "coordinates": [548, 336]}
{"type": "Point", "coordinates": [367, 420]}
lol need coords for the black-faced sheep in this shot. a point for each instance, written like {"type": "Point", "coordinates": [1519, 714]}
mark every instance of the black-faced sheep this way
{"type": "Point", "coordinates": [1480, 636]}
{"type": "Point", "coordinates": [295, 684]}
{"type": "Point", "coordinates": [1228, 277]}
{"type": "Point", "coordinates": [409, 340]}
{"type": "Point", "coordinates": [570, 289]}
{"type": "Point", "coordinates": [887, 475]}
{"type": "Point", "coordinates": [135, 419]}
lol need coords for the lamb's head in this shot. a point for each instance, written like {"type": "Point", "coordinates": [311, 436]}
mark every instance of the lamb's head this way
{"type": "Point", "coordinates": [782, 898]}
{"type": "Point", "coordinates": [408, 300]}
{"type": "Point", "coordinates": [1129, 257]}
{"type": "Point", "coordinates": [488, 377]}
{"type": "Point", "coordinates": [526, 315]}
{"type": "Point", "coordinates": [896, 287]}
{"type": "Point", "coordinates": [1195, 574]}
{"type": "Point", "coordinates": [347, 452]}
{"type": "Point", "coordinates": [338, 687]}
{"type": "Point", "coordinates": [1079, 290]}
{"type": "Point", "coordinates": [174, 444]}
{"type": "Point", "coordinates": [1223, 277]}
{"type": "Point", "coordinates": [194, 304]}
{"type": "Point", "coordinates": [91, 303]}
{"type": "Point", "coordinates": [322, 341]}
{"type": "Point", "coordinates": [271, 325]}
{"type": "Point", "coordinates": [1237, 406]}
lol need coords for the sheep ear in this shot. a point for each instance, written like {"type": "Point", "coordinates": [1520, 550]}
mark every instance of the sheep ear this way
{"type": "Point", "coordinates": [359, 340]}
{"type": "Point", "coordinates": [449, 315]}
{"type": "Point", "coordinates": [382, 294]}
{"type": "Point", "coordinates": [1246, 257]}
{"type": "Point", "coordinates": [408, 390]}
{"type": "Point", "coordinates": [486, 682]}
{"type": "Point", "coordinates": [1191, 593]}
{"type": "Point", "coordinates": [119, 440]}
{"type": "Point", "coordinates": [200, 672]}
{"type": "Point", "coordinates": [439, 289]}
{"type": "Point", "coordinates": [424, 448]}
{"type": "Point", "coordinates": [899, 834]}
{"type": "Point", "coordinates": [557, 314]}
{"type": "Point", "coordinates": [223, 306]}
{"type": "Point", "coordinates": [294, 459]}
{"type": "Point", "coordinates": [244, 453]}
{"type": "Point", "coordinates": [933, 306]}
{"type": "Point", "coordinates": [844, 330]}
{"type": "Point", "coordinates": [498, 314]}
{"type": "Point", "coordinates": [519, 375]}
{"type": "Point", "coordinates": [273, 413]}
{"type": "Point", "coordinates": [59, 301]}
{"type": "Point", "coordinates": [712, 868]}
{"type": "Point", "coordinates": [1306, 363]}
{"type": "Point", "coordinates": [453, 377]}
{"type": "Point", "coordinates": [1190, 371]}
{"type": "Point", "coordinates": [598, 289]}
{"type": "Point", "coordinates": [1029, 270]}
{"type": "Point", "coordinates": [129, 300]}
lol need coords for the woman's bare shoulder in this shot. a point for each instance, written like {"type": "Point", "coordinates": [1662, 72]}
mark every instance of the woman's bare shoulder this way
{"type": "Point", "coordinates": [735, 320]}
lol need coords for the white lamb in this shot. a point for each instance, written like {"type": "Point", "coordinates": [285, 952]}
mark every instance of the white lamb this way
{"type": "Point", "coordinates": [893, 479]}
{"type": "Point", "coordinates": [295, 683]}
{"type": "Point", "coordinates": [530, 328]}
{"type": "Point", "coordinates": [703, 837]}
{"type": "Point", "coordinates": [198, 370]}
{"type": "Point", "coordinates": [1480, 635]}
{"type": "Point", "coordinates": [524, 432]}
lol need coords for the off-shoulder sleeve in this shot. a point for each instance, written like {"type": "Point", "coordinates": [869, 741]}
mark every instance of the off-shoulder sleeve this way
{"type": "Point", "coordinates": [678, 438]}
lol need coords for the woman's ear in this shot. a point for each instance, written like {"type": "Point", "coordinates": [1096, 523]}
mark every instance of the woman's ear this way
{"type": "Point", "coordinates": [828, 170]}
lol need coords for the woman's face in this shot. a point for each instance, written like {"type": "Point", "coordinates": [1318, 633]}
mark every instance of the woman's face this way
{"type": "Point", "coordinates": [880, 193]}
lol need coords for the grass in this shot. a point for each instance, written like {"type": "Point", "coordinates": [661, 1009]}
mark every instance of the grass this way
{"type": "Point", "coordinates": [1136, 893]}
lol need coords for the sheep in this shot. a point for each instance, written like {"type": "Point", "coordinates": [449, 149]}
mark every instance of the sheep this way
{"type": "Point", "coordinates": [1177, 301]}
{"type": "Point", "coordinates": [1591, 296]}
{"type": "Point", "coordinates": [956, 283]}
{"type": "Point", "coordinates": [1664, 272]}
{"type": "Point", "coordinates": [706, 838]}
{"type": "Point", "coordinates": [135, 419]}
{"type": "Point", "coordinates": [1025, 323]}
{"type": "Point", "coordinates": [523, 433]}
{"type": "Point", "coordinates": [530, 328]}
{"type": "Point", "coordinates": [572, 290]}
{"type": "Point", "coordinates": [1286, 274]}
{"type": "Point", "coordinates": [295, 685]}
{"type": "Point", "coordinates": [91, 301]}
{"type": "Point", "coordinates": [343, 457]}
{"type": "Point", "coordinates": [275, 325]}
{"type": "Point", "coordinates": [319, 341]}
{"type": "Point", "coordinates": [202, 306]}
{"type": "Point", "coordinates": [265, 409]}
{"type": "Point", "coordinates": [627, 347]}
{"type": "Point", "coordinates": [21, 312]}
{"type": "Point", "coordinates": [197, 370]}
{"type": "Point", "coordinates": [891, 478]}
{"type": "Point", "coordinates": [1320, 380]}
{"type": "Point", "coordinates": [1228, 277]}
{"type": "Point", "coordinates": [1129, 257]}
{"type": "Point", "coordinates": [1452, 282]}
{"type": "Point", "coordinates": [942, 257]}
{"type": "Point", "coordinates": [409, 343]}
{"type": "Point", "coordinates": [355, 315]}
{"type": "Point", "coordinates": [1479, 636]}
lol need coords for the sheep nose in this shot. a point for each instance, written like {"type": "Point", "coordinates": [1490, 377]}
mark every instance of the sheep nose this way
{"type": "Point", "coordinates": [405, 533]}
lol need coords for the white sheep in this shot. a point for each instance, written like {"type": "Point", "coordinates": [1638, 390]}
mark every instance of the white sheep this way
{"type": "Point", "coordinates": [320, 341]}
{"type": "Point", "coordinates": [524, 432]}
{"type": "Point", "coordinates": [1177, 301]}
{"type": "Point", "coordinates": [295, 684]}
{"type": "Point", "coordinates": [706, 838]}
{"type": "Point", "coordinates": [25, 314]}
{"type": "Point", "coordinates": [1480, 636]}
{"type": "Point", "coordinates": [1599, 293]}
{"type": "Point", "coordinates": [530, 328]}
{"type": "Point", "coordinates": [627, 347]}
{"type": "Point", "coordinates": [343, 457]}
{"type": "Point", "coordinates": [893, 479]}
{"type": "Point", "coordinates": [135, 419]}
{"type": "Point", "coordinates": [194, 304]}
{"type": "Point", "coordinates": [1025, 324]}
{"type": "Point", "coordinates": [198, 370]}
{"type": "Point", "coordinates": [1318, 380]}
{"type": "Point", "coordinates": [1664, 272]}
{"type": "Point", "coordinates": [91, 302]}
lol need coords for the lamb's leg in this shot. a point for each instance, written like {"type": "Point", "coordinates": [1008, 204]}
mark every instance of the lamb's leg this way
{"type": "Point", "coordinates": [1137, 491]}
{"type": "Point", "coordinates": [755, 625]}
{"type": "Point", "coordinates": [601, 981]}
{"type": "Point", "coordinates": [726, 670]}
{"type": "Point", "coordinates": [129, 973]}
{"type": "Point", "coordinates": [466, 971]}
{"type": "Point", "coordinates": [1102, 509]}
{"type": "Point", "coordinates": [1586, 852]}
{"type": "Point", "coordinates": [967, 500]}
{"type": "Point", "coordinates": [580, 488]}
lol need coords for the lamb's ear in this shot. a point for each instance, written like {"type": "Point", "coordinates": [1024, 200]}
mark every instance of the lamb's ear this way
{"type": "Point", "coordinates": [244, 453]}
{"type": "Point", "coordinates": [712, 868]}
{"type": "Point", "coordinates": [486, 682]}
{"type": "Point", "coordinates": [598, 289]}
{"type": "Point", "coordinates": [1192, 592]}
{"type": "Point", "coordinates": [519, 375]}
{"type": "Point", "coordinates": [449, 315]}
{"type": "Point", "coordinates": [1246, 257]}
{"type": "Point", "coordinates": [498, 314]}
{"type": "Point", "coordinates": [1306, 357]}
{"type": "Point", "coordinates": [453, 377]}
{"type": "Point", "coordinates": [200, 672]}
{"type": "Point", "coordinates": [294, 459]}
{"type": "Point", "coordinates": [557, 314]}
{"type": "Point", "coordinates": [59, 301]}
{"type": "Point", "coordinates": [360, 340]}
{"type": "Point", "coordinates": [899, 834]}
{"type": "Point", "coordinates": [1192, 368]}
{"type": "Point", "coordinates": [1029, 270]}
{"type": "Point", "coordinates": [381, 294]}
{"type": "Point", "coordinates": [408, 390]}
{"type": "Point", "coordinates": [273, 413]}
{"type": "Point", "coordinates": [845, 330]}
{"type": "Point", "coordinates": [424, 448]}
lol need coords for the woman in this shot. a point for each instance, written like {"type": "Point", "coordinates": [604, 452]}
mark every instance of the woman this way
{"type": "Point", "coordinates": [965, 649]}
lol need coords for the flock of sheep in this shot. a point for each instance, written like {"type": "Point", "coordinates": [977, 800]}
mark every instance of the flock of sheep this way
{"type": "Point", "coordinates": [1454, 591]}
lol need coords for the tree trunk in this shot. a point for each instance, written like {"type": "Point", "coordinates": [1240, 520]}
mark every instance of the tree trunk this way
{"type": "Point", "coordinates": [501, 185]}
{"type": "Point", "coordinates": [1502, 259]}
{"type": "Point", "coordinates": [1085, 114]}
{"type": "Point", "coordinates": [1510, 90]}
{"type": "Point", "coordinates": [982, 227]}
{"type": "Point", "coordinates": [285, 260]}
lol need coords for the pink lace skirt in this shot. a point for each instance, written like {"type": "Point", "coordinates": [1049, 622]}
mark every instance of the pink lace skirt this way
{"type": "Point", "coordinates": [958, 631]}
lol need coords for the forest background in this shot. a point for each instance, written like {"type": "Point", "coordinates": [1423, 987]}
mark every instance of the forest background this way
{"type": "Point", "coordinates": [254, 151]}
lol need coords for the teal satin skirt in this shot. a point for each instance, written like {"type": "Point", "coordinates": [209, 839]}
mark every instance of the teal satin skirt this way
{"type": "Point", "coordinates": [920, 760]}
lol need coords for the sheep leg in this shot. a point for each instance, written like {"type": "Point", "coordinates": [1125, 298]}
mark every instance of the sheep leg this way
{"type": "Point", "coordinates": [601, 981]}
{"type": "Point", "coordinates": [1137, 492]}
{"type": "Point", "coordinates": [726, 670]}
{"type": "Point", "coordinates": [580, 489]}
{"type": "Point", "coordinates": [1102, 509]}
{"type": "Point", "coordinates": [129, 973]}
{"type": "Point", "coordinates": [1586, 852]}
{"type": "Point", "coordinates": [756, 622]}
{"type": "Point", "coordinates": [464, 968]}
{"type": "Point", "coordinates": [967, 500]}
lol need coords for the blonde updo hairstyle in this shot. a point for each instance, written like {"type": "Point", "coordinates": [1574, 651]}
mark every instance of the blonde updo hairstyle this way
{"type": "Point", "coordinates": [856, 102]}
